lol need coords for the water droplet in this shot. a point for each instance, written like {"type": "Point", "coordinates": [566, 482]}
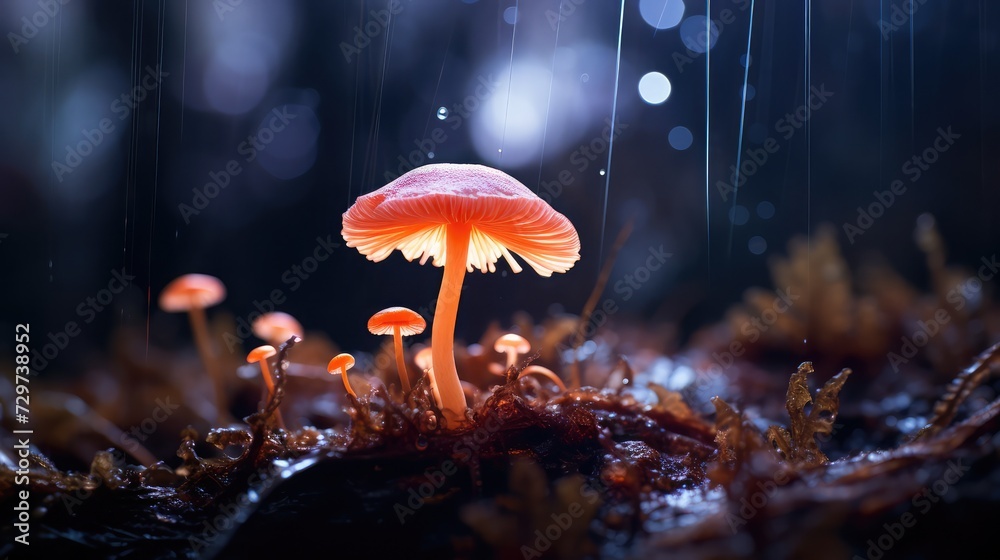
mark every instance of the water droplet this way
{"type": "Point", "coordinates": [499, 150]}
{"type": "Point", "coordinates": [602, 172]}
{"type": "Point", "coordinates": [584, 78]}
{"type": "Point", "coordinates": [442, 113]}
{"type": "Point", "coordinates": [50, 263]}
{"type": "Point", "coordinates": [421, 442]}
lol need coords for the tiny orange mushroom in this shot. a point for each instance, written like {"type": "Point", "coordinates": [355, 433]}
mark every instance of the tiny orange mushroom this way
{"type": "Point", "coordinates": [260, 355]}
{"type": "Point", "coordinates": [399, 322]}
{"type": "Point", "coordinates": [460, 217]}
{"type": "Point", "coordinates": [193, 293]}
{"type": "Point", "coordinates": [343, 362]}
{"type": "Point", "coordinates": [276, 328]}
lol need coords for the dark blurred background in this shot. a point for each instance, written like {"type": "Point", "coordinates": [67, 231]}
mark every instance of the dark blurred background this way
{"type": "Point", "coordinates": [150, 139]}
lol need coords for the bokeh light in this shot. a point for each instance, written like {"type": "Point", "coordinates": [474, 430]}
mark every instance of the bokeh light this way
{"type": "Point", "coordinates": [757, 245]}
{"type": "Point", "coordinates": [654, 88]}
{"type": "Point", "coordinates": [696, 37]}
{"type": "Point", "coordinates": [680, 138]}
{"type": "Point", "coordinates": [662, 14]}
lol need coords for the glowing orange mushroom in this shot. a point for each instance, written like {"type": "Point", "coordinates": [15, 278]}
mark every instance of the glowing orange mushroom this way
{"type": "Point", "coordinates": [460, 217]}
{"type": "Point", "coordinates": [276, 328]}
{"type": "Point", "coordinates": [260, 355]}
{"type": "Point", "coordinates": [399, 322]}
{"type": "Point", "coordinates": [193, 293]}
{"type": "Point", "coordinates": [343, 362]}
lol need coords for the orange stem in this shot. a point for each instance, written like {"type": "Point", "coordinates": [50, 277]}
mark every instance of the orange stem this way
{"type": "Point", "coordinates": [443, 334]}
{"type": "Point", "coordinates": [404, 377]}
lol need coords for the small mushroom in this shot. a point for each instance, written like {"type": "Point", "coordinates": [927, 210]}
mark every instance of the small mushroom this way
{"type": "Point", "coordinates": [193, 293]}
{"type": "Point", "coordinates": [512, 344]}
{"type": "Point", "coordinates": [276, 328]}
{"type": "Point", "coordinates": [260, 355]}
{"type": "Point", "coordinates": [399, 322]}
{"type": "Point", "coordinates": [342, 362]}
{"type": "Point", "coordinates": [461, 217]}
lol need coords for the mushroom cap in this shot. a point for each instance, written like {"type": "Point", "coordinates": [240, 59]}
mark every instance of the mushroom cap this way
{"type": "Point", "coordinates": [343, 362]}
{"type": "Point", "coordinates": [190, 291]}
{"type": "Point", "coordinates": [412, 214]}
{"type": "Point", "coordinates": [512, 341]}
{"type": "Point", "coordinates": [276, 325]}
{"type": "Point", "coordinates": [261, 353]}
{"type": "Point", "coordinates": [409, 322]}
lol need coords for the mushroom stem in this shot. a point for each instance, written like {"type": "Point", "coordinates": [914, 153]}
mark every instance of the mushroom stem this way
{"type": "Point", "coordinates": [511, 357]}
{"type": "Point", "coordinates": [453, 403]}
{"type": "Point", "coordinates": [199, 325]}
{"type": "Point", "coordinates": [404, 376]}
{"type": "Point", "coordinates": [265, 368]}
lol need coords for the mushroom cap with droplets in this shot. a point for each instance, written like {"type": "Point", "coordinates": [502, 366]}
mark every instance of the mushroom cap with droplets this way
{"type": "Point", "coordinates": [409, 322]}
{"type": "Point", "coordinates": [413, 212]}
{"type": "Point", "coordinates": [191, 291]}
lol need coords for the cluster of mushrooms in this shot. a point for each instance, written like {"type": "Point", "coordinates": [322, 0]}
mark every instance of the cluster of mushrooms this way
{"type": "Point", "coordinates": [460, 217]}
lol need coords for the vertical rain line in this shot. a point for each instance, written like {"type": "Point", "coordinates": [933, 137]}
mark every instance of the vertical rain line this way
{"type": "Point", "coordinates": [156, 173]}
{"type": "Point", "coordinates": [739, 143]}
{"type": "Point", "coordinates": [510, 76]}
{"type": "Point", "coordinates": [381, 90]}
{"type": "Point", "coordinates": [708, 115]}
{"type": "Point", "coordinates": [437, 86]}
{"type": "Point", "coordinates": [806, 94]}
{"type": "Point", "coordinates": [548, 105]}
{"type": "Point", "coordinates": [611, 141]}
